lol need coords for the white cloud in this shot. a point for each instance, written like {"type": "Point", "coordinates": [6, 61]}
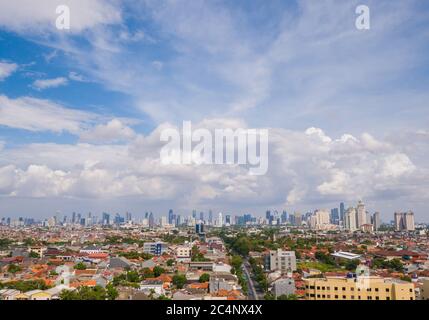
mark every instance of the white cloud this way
{"type": "Point", "coordinates": [112, 132]}
{"type": "Point", "coordinates": [76, 77]}
{"type": "Point", "coordinates": [41, 115]}
{"type": "Point", "coordinates": [26, 17]}
{"type": "Point", "coordinates": [50, 83]}
{"type": "Point", "coordinates": [302, 170]}
{"type": "Point", "coordinates": [6, 69]}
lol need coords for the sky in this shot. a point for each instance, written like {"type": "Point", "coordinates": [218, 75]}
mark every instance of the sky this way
{"type": "Point", "coordinates": [81, 110]}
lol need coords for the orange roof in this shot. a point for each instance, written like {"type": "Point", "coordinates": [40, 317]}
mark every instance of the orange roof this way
{"type": "Point", "coordinates": [88, 283]}
{"type": "Point", "coordinates": [88, 272]}
{"type": "Point", "coordinates": [198, 285]}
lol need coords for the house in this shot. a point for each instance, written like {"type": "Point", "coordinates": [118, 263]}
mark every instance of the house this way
{"type": "Point", "coordinates": [154, 285]}
{"type": "Point", "coordinates": [56, 291]}
{"type": "Point", "coordinates": [119, 262]}
{"type": "Point", "coordinates": [38, 295]}
{"type": "Point", "coordinates": [9, 294]}
{"type": "Point", "coordinates": [148, 264]}
{"type": "Point", "coordinates": [223, 281]}
{"type": "Point", "coordinates": [91, 250]}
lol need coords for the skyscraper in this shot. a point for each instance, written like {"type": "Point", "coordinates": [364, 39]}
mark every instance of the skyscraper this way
{"type": "Point", "coordinates": [335, 217]}
{"type": "Point", "coordinates": [342, 212]}
{"type": "Point", "coordinates": [360, 214]}
{"type": "Point", "coordinates": [284, 216]}
{"type": "Point", "coordinates": [170, 216]}
{"type": "Point", "coordinates": [151, 220]}
{"type": "Point", "coordinates": [210, 217]}
{"type": "Point", "coordinates": [350, 219]}
{"type": "Point", "coordinates": [220, 219]}
{"type": "Point", "coordinates": [202, 216]}
{"type": "Point", "coordinates": [228, 219]}
{"type": "Point", "coordinates": [128, 216]}
{"type": "Point", "coordinates": [105, 219]}
{"type": "Point", "coordinates": [404, 221]}
{"type": "Point", "coordinates": [376, 221]}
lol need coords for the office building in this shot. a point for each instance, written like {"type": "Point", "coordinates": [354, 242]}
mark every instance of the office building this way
{"type": "Point", "coordinates": [155, 248]}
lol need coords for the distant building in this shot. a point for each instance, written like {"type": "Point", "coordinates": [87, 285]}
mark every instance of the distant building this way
{"type": "Point", "coordinates": [376, 221]}
{"type": "Point", "coordinates": [404, 221]}
{"type": "Point", "coordinates": [350, 219]}
{"type": "Point", "coordinates": [360, 215]}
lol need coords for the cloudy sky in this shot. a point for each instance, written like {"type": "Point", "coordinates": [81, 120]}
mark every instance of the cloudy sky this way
{"type": "Point", "coordinates": [81, 110]}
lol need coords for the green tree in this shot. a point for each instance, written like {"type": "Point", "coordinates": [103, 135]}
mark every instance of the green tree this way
{"type": "Point", "coordinates": [147, 273]}
{"type": "Point", "coordinates": [351, 265]}
{"type": "Point", "coordinates": [133, 276]}
{"type": "Point", "coordinates": [205, 277]}
{"type": "Point", "coordinates": [111, 291]}
{"type": "Point", "coordinates": [157, 271]}
{"type": "Point", "coordinates": [236, 262]}
{"type": "Point", "coordinates": [170, 262]}
{"type": "Point", "coordinates": [13, 268]}
{"type": "Point", "coordinates": [34, 255]}
{"type": "Point", "coordinates": [80, 266]}
{"type": "Point", "coordinates": [179, 280]}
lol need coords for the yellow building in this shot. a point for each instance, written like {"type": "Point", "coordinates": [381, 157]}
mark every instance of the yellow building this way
{"type": "Point", "coordinates": [366, 288]}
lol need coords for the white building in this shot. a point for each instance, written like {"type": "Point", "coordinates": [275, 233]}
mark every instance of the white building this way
{"type": "Point", "coordinates": [284, 261]}
{"type": "Point", "coordinates": [350, 219]}
{"type": "Point", "coordinates": [360, 215]}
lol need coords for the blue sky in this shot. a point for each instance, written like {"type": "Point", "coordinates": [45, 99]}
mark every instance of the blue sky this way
{"type": "Point", "coordinates": [81, 110]}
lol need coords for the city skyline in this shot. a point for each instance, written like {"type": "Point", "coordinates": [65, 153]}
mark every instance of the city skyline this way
{"type": "Point", "coordinates": [82, 110]}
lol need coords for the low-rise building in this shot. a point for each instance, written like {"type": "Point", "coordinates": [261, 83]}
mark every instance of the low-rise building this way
{"type": "Point", "coordinates": [364, 288]}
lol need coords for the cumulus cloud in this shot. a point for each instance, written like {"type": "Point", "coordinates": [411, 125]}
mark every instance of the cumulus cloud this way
{"type": "Point", "coordinates": [50, 83]}
{"type": "Point", "coordinates": [113, 131]}
{"type": "Point", "coordinates": [6, 69]}
{"type": "Point", "coordinates": [303, 169]}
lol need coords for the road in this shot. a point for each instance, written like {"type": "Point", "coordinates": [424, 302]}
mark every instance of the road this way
{"type": "Point", "coordinates": [252, 294]}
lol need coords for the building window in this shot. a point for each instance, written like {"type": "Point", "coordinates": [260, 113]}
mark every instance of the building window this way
{"type": "Point", "coordinates": [387, 298]}
{"type": "Point", "coordinates": [344, 288]}
{"type": "Point", "coordinates": [318, 288]}
{"type": "Point", "coordinates": [376, 289]}
{"type": "Point", "coordinates": [387, 289]}
{"type": "Point", "coordinates": [344, 297]}
{"type": "Point", "coordinates": [336, 288]}
{"type": "Point", "coordinates": [352, 297]}
{"type": "Point", "coordinates": [336, 296]}
{"type": "Point", "coordinates": [377, 298]}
